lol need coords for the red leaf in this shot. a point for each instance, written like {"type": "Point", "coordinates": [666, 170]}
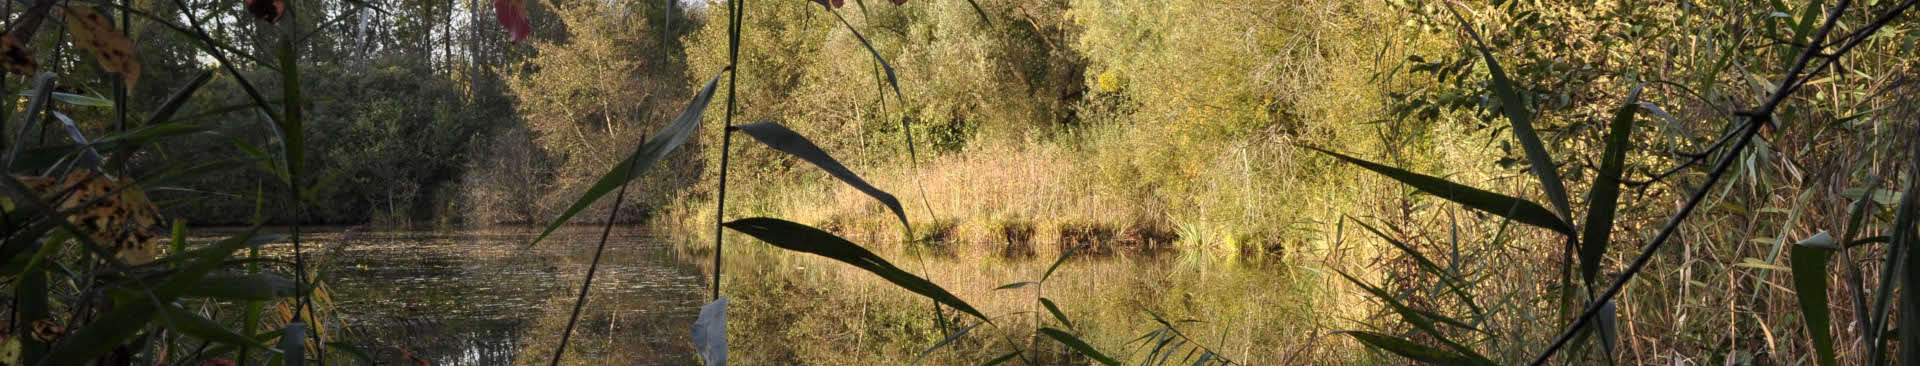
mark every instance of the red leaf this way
{"type": "Point", "coordinates": [268, 10]}
{"type": "Point", "coordinates": [513, 16]}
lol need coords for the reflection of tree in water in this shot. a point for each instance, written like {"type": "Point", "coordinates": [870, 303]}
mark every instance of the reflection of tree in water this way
{"type": "Point", "coordinates": [613, 329]}
{"type": "Point", "coordinates": [473, 298]}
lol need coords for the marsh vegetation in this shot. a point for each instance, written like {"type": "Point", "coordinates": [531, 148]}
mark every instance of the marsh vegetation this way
{"type": "Point", "coordinates": [959, 182]}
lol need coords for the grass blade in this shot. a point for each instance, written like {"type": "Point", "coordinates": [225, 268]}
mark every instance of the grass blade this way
{"type": "Point", "coordinates": [188, 323]}
{"type": "Point", "coordinates": [785, 140]}
{"type": "Point", "coordinates": [1515, 109]}
{"type": "Point", "coordinates": [1520, 210]}
{"type": "Point", "coordinates": [891, 79]}
{"type": "Point", "coordinates": [1904, 240]}
{"type": "Point", "coordinates": [75, 99]}
{"type": "Point", "coordinates": [178, 99]}
{"type": "Point", "coordinates": [1058, 261]}
{"type": "Point", "coordinates": [1057, 314]}
{"type": "Point", "coordinates": [945, 341]}
{"type": "Point", "coordinates": [1810, 286]}
{"type": "Point", "coordinates": [1453, 284]}
{"type": "Point", "coordinates": [42, 91]}
{"type": "Point", "coordinates": [1606, 189]}
{"type": "Point", "coordinates": [1419, 319]}
{"type": "Point", "coordinates": [1607, 324]}
{"type": "Point", "coordinates": [1002, 358]}
{"type": "Point", "coordinates": [1079, 346]}
{"type": "Point", "coordinates": [801, 238]}
{"type": "Point", "coordinates": [642, 158]}
{"type": "Point", "coordinates": [1410, 350]}
{"type": "Point", "coordinates": [1015, 285]}
{"type": "Point", "coordinates": [119, 326]}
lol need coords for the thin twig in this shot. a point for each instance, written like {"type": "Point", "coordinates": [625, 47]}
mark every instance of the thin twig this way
{"type": "Point", "coordinates": [1755, 121]}
{"type": "Point", "coordinates": [581, 301]}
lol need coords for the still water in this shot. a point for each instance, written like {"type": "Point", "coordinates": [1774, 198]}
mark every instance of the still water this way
{"type": "Point", "coordinates": [482, 298]}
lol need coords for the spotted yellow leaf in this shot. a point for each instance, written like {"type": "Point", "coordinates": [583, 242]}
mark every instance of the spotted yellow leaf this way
{"type": "Point", "coordinates": [122, 219]}
{"type": "Point", "coordinates": [10, 351]}
{"type": "Point", "coordinates": [96, 34]}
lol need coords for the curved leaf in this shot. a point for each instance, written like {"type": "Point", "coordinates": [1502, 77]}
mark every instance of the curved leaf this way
{"type": "Point", "coordinates": [1410, 350]}
{"type": "Point", "coordinates": [1446, 277]}
{"type": "Point", "coordinates": [1606, 189]}
{"type": "Point", "coordinates": [710, 333]}
{"type": "Point", "coordinates": [1057, 261]}
{"type": "Point", "coordinates": [1515, 109]}
{"type": "Point", "coordinates": [1015, 285]}
{"type": "Point", "coordinates": [1002, 358]}
{"type": "Point", "coordinates": [945, 341]}
{"type": "Point", "coordinates": [188, 323]}
{"type": "Point", "coordinates": [75, 99]}
{"type": "Point", "coordinates": [642, 158]}
{"type": "Point", "coordinates": [1607, 324]}
{"type": "Point", "coordinates": [785, 140]}
{"type": "Point", "coordinates": [42, 91]}
{"type": "Point", "coordinates": [178, 98]}
{"type": "Point", "coordinates": [1520, 210]}
{"type": "Point", "coordinates": [891, 80]}
{"type": "Point", "coordinates": [1420, 319]}
{"type": "Point", "coordinates": [1057, 314]}
{"type": "Point", "coordinates": [1079, 346]}
{"type": "Point", "coordinates": [120, 325]}
{"type": "Point", "coordinates": [801, 238]}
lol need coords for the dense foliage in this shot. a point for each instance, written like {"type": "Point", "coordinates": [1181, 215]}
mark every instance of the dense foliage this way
{"type": "Point", "coordinates": [1305, 178]}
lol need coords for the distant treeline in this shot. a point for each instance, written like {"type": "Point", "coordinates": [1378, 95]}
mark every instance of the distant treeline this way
{"type": "Point", "coordinates": [425, 114]}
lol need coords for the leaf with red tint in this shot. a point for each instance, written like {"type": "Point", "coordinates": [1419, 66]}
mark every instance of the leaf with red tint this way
{"type": "Point", "coordinates": [15, 58]}
{"type": "Point", "coordinates": [898, 2]}
{"type": "Point", "coordinates": [268, 10]}
{"type": "Point", "coordinates": [513, 15]}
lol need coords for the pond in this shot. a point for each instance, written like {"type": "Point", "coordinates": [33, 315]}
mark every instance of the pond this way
{"type": "Point", "coordinates": [483, 298]}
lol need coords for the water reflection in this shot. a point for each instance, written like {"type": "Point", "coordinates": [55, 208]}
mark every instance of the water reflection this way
{"type": "Point", "coordinates": [479, 298]}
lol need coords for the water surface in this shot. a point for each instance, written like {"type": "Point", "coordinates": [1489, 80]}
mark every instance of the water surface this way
{"type": "Point", "coordinates": [481, 298]}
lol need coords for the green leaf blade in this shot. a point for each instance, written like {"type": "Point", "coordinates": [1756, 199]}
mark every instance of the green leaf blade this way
{"type": "Point", "coordinates": [801, 238]}
{"type": "Point", "coordinates": [643, 158]}
{"type": "Point", "coordinates": [1810, 287]}
{"type": "Point", "coordinates": [1410, 350]}
{"type": "Point", "coordinates": [188, 323]}
{"type": "Point", "coordinates": [1519, 210]}
{"type": "Point", "coordinates": [1606, 190]}
{"type": "Point", "coordinates": [1078, 346]}
{"type": "Point", "coordinates": [945, 341]}
{"type": "Point", "coordinates": [786, 140]}
{"type": "Point", "coordinates": [1515, 109]}
{"type": "Point", "coordinates": [1057, 314]}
